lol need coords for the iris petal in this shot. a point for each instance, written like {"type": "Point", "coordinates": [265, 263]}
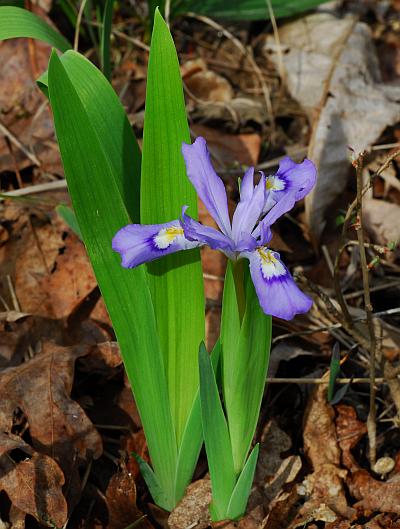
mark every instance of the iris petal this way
{"type": "Point", "coordinates": [301, 176]}
{"type": "Point", "coordinates": [194, 231]}
{"type": "Point", "coordinates": [141, 243]}
{"type": "Point", "coordinates": [207, 183]}
{"type": "Point", "coordinates": [277, 292]}
{"type": "Point", "coordinates": [248, 211]}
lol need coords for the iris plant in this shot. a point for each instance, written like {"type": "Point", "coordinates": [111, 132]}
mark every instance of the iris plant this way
{"type": "Point", "coordinates": [247, 236]}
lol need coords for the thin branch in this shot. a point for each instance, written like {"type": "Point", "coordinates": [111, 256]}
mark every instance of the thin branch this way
{"type": "Point", "coordinates": [371, 421]}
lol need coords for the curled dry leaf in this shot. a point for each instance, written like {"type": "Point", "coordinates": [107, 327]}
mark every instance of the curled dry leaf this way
{"type": "Point", "coordinates": [33, 485]}
{"type": "Point", "coordinates": [373, 495]}
{"type": "Point", "coordinates": [205, 84]}
{"type": "Point", "coordinates": [332, 70]}
{"type": "Point", "coordinates": [121, 502]}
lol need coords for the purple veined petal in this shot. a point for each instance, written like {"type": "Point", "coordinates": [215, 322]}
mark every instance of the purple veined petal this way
{"type": "Point", "coordinates": [277, 292]}
{"type": "Point", "coordinates": [247, 185]}
{"type": "Point", "coordinates": [248, 212]}
{"type": "Point", "coordinates": [207, 183]}
{"type": "Point", "coordinates": [247, 243]}
{"type": "Point", "coordinates": [291, 178]}
{"type": "Point", "coordinates": [301, 176]}
{"type": "Point", "coordinates": [197, 232]}
{"type": "Point", "coordinates": [284, 205]}
{"type": "Point", "coordinates": [141, 243]}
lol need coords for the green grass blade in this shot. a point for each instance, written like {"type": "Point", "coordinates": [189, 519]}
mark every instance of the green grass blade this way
{"type": "Point", "coordinates": [16, 22]}
{"type": "Point", "coordinates": [247, 9]}
{"type": "Point", "coordinates": [192, 437]}
{"type": "Point", "coordinates": [105, 39]}
{"type": "Point", "coordinates": [247, 377]}
{"type": "Point", "coordinates": [334, 370]}
{"type": "Point", "coordinates": [240, 495]}
{"type": "Point", "coordinates": [176, 281]}
{"type": "Point", "coordinates": [69, 217]}
{"type": "Point", "coordinates": [98, 181]}
{"type": "Point", "coordinates": [216, 438]}
{"type": "Point", "coordinates": [156, 490]}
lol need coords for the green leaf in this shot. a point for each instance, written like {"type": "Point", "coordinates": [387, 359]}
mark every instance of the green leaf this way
{"type": "Point", "coordinates": [99, 152]}
{"type": "Point", "coordinates": [16, 22]}
{"type": "Point", "coordinates": [192, 437]}
{"type": "Point", "coordinates": [216, 439]}
{"type": "Point", "coordinates": [69, 217]}
{"type": "Point", "coordinates": [230, 332]}
{"type": "Point", "coordinates": [248, 371]}
{"type": "Point", "coordinates": [175, 281]}
{"type": "Point", "coordinates": [240, 495]}
{"type": "Point", "coordinates": [151, 480]}
{"type": "Point", "coordinates": [334, 370]}
{"type": "Point", "coordinates": [246, 9]}
{"type": "Point", "coordinates": [105, 39]}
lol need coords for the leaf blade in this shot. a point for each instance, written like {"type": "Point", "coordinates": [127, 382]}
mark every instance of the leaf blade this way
{"type": "Point", "coordinates": [16, 22]}
{"type": "Point", "coordinates": [97, 178]}
{"type": "Point", "coordinates": [178, 277]}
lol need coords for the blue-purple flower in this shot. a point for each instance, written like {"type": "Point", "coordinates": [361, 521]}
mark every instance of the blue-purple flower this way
{"type": "Point", "coordinates": [246, 236]}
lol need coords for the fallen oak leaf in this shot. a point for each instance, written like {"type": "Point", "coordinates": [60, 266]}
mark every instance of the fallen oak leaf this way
{"type": "Point", "coordinates": [41, 389]}
{"type": "Point", "coordinates": [33, 485]}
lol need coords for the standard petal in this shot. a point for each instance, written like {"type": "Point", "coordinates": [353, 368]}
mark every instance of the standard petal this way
{"type": "Point", "coordinates": [141, 243]}
{"type": "Point", "coordinates": [296, 179]}
{"type": "Point", "coordinates": [301, 177]}
{"type": "Point", "coordinates": [248, 212]}
{"type": "Point", "coordinates": [197, 232]}
{"type": "Point", "coordinates": [247, 185]}
{"type": "Point", "coordinates": [276, 290]}
{"type": "Point", "coordinates": [207, 183]}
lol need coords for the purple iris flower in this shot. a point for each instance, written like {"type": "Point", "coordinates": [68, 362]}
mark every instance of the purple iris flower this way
{"type": "Point", "coordinates": [247, 236]}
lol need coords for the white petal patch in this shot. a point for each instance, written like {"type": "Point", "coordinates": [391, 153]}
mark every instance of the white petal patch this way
{"type": "Point", "coordinates": [270, 265]}
{"type": "Point", "coordinates": [167, 236]}
{"type": "Point", "coordinates": [274, 183]}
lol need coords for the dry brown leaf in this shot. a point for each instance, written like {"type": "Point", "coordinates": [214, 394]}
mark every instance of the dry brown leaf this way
{"type": "Point", "coordinates": [324, 488]}
{"type": "Point", "coordinates": [373, 495]}
{"type": "Point", "coordinates": [332, 70]}
{"type": "Point", "coordinates": [24, 110]}
{"type": "Point", "coordinates": [53, 273]}
{"type": "Point", "coordinates": [41, 389]}
{"type": "Point", "coordinates": [121, 502]}
{"type": "Point", "coordinates": [205, 84]}
{"type": "Point", "coordinates": [230, 148]}
{"type": "Point", "coordinates": [33, 485]}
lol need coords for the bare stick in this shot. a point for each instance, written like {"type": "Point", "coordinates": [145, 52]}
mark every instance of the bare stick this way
{"type": "Point", "coordinates": [371, 421]}
{"type": "Point", "coordinates": [4, 130]}
{"type": "Point", "coordinates": [324, 380]}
